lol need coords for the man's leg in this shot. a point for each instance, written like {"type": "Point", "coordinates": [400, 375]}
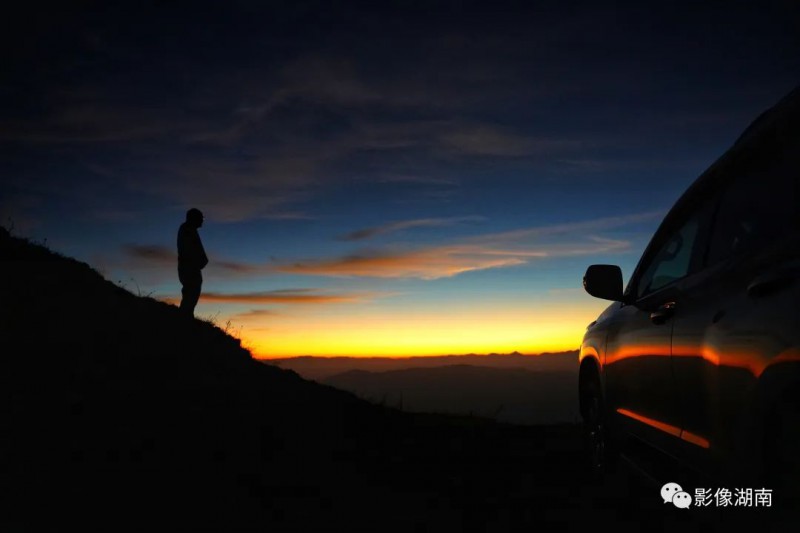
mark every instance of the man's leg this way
{"type": "Point", "coordinates": [190, 293]}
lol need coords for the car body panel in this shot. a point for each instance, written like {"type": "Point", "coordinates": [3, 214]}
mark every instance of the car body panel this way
{"type": "Point", "coordinates": [704, 346]}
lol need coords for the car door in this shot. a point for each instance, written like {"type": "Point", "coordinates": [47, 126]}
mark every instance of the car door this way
{"type": "Point", "coordinates": [640, 386]}
{"type": "Point", "coordinates": [739, 314]}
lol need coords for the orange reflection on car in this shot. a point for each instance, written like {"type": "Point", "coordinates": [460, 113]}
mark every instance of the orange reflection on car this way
{"type": "Point", "coordinates": [667, 428]}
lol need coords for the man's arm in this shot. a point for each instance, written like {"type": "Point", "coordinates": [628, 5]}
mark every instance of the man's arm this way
{"type": "Point", "coordinates": [191, 253]}
{"type": "Point", "coordinates": [201, 256]}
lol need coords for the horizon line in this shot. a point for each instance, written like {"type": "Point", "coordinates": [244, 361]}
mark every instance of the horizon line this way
{"type": "Point", "coordinates": [490, 354]}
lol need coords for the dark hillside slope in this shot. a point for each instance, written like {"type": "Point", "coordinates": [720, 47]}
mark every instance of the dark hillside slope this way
{"type": "Point", "coordinates": [118, 406]}
{"type": "Point", "coordinates": [121, 415]}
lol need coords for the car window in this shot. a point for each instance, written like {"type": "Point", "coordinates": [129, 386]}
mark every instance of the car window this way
{"type": "Point", "coordinates": [758, 205]}
{"type": "Point", "coordinates": [677, 255]}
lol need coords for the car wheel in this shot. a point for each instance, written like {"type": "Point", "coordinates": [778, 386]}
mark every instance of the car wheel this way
{"type": "Point", "coordinates": [596, 445]}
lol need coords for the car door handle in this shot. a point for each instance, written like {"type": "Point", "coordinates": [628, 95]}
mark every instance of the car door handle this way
{"type": "Point", "coordinates": [663, 313]}
{"type": "Point", "coordinates": [771, 281]}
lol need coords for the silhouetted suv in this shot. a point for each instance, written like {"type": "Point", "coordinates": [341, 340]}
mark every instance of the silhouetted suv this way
{"type": "Point", "coordinates": [696, 363]}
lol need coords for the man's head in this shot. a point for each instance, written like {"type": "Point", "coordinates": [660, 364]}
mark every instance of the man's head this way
{"type": "Point", "coordinates": [194, 217]}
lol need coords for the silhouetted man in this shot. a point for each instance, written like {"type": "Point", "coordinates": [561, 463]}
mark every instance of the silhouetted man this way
{"type": "Point", "coordinates": [191, 260]}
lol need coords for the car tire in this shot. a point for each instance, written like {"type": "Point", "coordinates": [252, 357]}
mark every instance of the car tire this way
{"type": "Point", "coordinates": [598, 453]}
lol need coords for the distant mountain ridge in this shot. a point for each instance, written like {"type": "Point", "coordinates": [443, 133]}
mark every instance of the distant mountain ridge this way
{"type": "Point", "coordinates": [321, 368]}
{"type": "Point", "coordinates": [514, 394]}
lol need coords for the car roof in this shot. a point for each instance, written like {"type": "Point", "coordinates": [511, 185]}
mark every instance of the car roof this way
{"type": "Point", "coordinates": [778, 122]}
{"type": "Point", "coordinates": [786, 109]}
{"type": "Point", "coordinates": [775, 123]}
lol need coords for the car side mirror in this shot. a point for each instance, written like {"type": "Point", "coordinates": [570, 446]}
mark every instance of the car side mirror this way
{"type": "Point", "coordinates": [604, 281]}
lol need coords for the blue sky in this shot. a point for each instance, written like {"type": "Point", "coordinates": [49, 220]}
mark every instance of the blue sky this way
{"type": "Point", "coordinates": [410, 178]}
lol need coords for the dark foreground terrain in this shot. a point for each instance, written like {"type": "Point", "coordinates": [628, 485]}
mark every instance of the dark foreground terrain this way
{"type": "Point", "coordinates": [118, 414]}
{"type": "Point", "coordinates": [512, 388]}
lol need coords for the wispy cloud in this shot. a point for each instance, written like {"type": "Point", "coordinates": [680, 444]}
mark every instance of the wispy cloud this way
{"type": "Point", "coordinates": [488, 140]}
{"type": "Point", "coordinates": [495, 250]}
{"type": "Point", "coordinates": [289, 296]}
{"type": "Point", "coordinates": [430, 263]}
{"type": "Point", "coordinates": [151, 253]}
{"type": "Point", "coordinates": [79, 122]}
{"type": "Point", "coordinates": [585, 227]}
{"type": "Point", "coordinates": [256, 153]}
{"type": "Point", "coordinates": [156, 255]}
{"type": "Point", "coordinates": [418, 180]}
{"type": "Point", "coordinates": [368, 233]}
{"type": "Point", "coordinates": [479, 252]}
{"type": "Point", "coordinates": [254, 313]}
{"type": "Point", "coordinates": [283, 297]}
{"type": "Point", "coordinates": [230, 188]}
{"type": "Point", "coordinates": [238, 267]}
{"type": "Point", "coordinates": [444, 261]}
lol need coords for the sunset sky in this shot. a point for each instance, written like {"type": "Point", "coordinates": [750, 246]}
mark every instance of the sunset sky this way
{"type": "Point", "coordinates": [418, 178]}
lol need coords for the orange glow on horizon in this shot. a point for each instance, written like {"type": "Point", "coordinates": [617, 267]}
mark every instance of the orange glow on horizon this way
{"type": "Point", "coordinates": [413, 336]}
{"type": "Point", "coordinates": [270, 349]}
{"type": "Point", "coordinates": [406, 328]}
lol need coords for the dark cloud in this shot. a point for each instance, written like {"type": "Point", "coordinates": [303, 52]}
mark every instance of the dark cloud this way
{"type": "Point", "coordinates": [163, 256]}
{"type": "Point", "coordinates": [368, 233]}
{"type": "Point", "coordinates": [268, 110]}
{"type": "Point", "coordinates": [151, 253]}
{"type": "Point", "coordinates": [254, 313]}
{"type": "Point", "coordinates": [288, 296]}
